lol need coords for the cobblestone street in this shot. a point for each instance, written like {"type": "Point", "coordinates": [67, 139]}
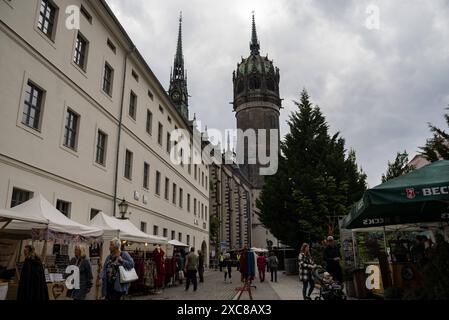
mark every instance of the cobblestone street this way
{"type": "Point", "coordinates": [214, 288]}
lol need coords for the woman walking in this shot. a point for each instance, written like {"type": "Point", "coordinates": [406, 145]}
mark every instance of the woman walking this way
{"type": "Point", "coordinates": [306, 266]}
{"type": "Point", "coordinates": [85, 272]}
{"type": "Point", "coordinates": [227, 265]}
{"type": "Point", "coordinates": [112, 288]}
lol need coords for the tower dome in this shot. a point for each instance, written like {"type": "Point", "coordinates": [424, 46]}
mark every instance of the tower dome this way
{"type": "Point", "coordinates": [256, 78]}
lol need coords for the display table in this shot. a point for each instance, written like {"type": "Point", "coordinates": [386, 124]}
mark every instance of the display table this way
{"type": "Point", "coordinates": [405, 276]}
{"type": "Point", "coordinates": [3, 290]}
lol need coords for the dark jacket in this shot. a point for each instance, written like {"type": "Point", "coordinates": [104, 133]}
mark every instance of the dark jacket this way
{"type": "Point", "coordinates": [32, 285]}
{"type": "Point", "coordinates": [328, 255]}
{"type": "Point", "coordinates": [85, 279]}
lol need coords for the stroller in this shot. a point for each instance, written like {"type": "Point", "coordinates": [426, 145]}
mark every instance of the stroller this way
{"type": "Point", "coordinates": [329, 288]}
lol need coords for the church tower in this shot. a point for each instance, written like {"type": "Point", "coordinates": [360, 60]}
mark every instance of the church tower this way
{"type": "Point", "coordinates": [178, 79]}
{"type": "Point", "coordinates": [257, 106]}
{"type": "Point", "coordinates": [256, 102]}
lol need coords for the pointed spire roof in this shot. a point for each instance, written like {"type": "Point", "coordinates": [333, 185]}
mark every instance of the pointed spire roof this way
{"type": "Point", "coordinates": [179, 58]}
{"type": "Point", "coordinates": [254, 44]}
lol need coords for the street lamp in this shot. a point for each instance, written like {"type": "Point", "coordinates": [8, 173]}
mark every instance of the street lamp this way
{"type": "Point", "coordinates": [123, 208]}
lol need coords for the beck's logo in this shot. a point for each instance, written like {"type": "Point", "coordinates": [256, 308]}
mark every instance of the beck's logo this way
{"type": "Point", "coordinates": [410, 193]}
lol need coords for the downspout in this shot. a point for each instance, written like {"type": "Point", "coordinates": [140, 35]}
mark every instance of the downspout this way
{"type": "Point", "coordinates": [117, 155]}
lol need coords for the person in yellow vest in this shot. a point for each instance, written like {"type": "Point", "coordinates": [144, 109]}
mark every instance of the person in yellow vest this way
{"type": "Point", "coordinates": [220, 261]}
{"type": "Point", "coordinates": [238, 261]}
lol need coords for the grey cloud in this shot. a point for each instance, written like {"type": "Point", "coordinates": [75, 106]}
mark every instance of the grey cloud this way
{"type": "Point", "coordinates": [379, 88]}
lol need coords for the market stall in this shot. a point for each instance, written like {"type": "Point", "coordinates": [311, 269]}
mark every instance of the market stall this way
{"type": "Point", "coordinates": [147, 250]}
{"type": "Point", "coordinates": [51, 233]}
{"type": "Point", "coordinates": [393, 219]}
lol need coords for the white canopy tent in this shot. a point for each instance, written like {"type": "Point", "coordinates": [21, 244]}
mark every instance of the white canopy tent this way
{"type": "Point", "coordinates": [177, 243]}
{"type": "Point", "coordinates": [257, 250]}
{"type": "Point", "coordinates": [38, 213]}
{"type": "Point", "coordinates": [124, 229]}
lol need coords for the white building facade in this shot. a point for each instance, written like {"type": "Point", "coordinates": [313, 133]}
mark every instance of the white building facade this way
{"type": "Point", "coordinates": [85, 122]}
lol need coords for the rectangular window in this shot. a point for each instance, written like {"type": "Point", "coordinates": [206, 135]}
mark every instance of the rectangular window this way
{"type": "Point", "coordinates": [71, 129]}
{"type": "Point", "coordinates": [158, 183]}
{"type": "Point", "coordinates": [205, 212]}
{"type": "Point", "coordinates": [167, 187]}
{"type": "Point", "coordinates": [33, 106]}
{"type": "Point", "coordinates": [146, 175]}
{"type": "Point", "coordinates": [149, 124]}
{"type": "Point", "coordinates": [161, 109]}
{"type": "Point", "coordinates": [93, 213]}
{"type": "Point", "coordinates": [168, 142]}
{"type": "Point", "coordinates": [180, 197]}
{"type": "Point", "coordinates": [108, 78]}
{"type": "Point", "coordinates": [47, 17]}
{"type": "Point", "coordinates": [194, 206]}
{"type": "Point", "coordinates": [19, 196]}
{"type": "Point", "coordinates": [128, 164]}
{"type": "Point", "coordinates": [160, 130]}
{"type": "Point", "coordinates": [179, 236]}
{"type": "Point", "coordinates": [100, 157]}
{"type": "Point", "coordinates": [143, 226]}
{"type": "Point", "coordinates": [132, 105]}
{"type": "Point", "coordinates": [188, 202]}
{"type": "Point", "coordinates": [202, 211]}
{"type": "Point", "coordinates": [86, 14]}
{"type": "Point", "coordinates": [155, 230]}
{"type": "Point", "coordinates": [64, 207]}
{"type": "Point", "coordinates": [135, 75]}
{"type": "Point", "coordinates": [189, 168]}
{"type": "Point", "coordinates": [194, 171]}
{"type": "Point", "coordinates": [150, 94]}
{"type": "Point", "coordinates": [173, 234]}
{"type": "Point", "coordinates": [81, 47]}
{"type": "Point", "coordinates": [181, 154]}
{"type": "Point", "coordinates": [202, 179]}
{"type": "Point", "coordinates": [174, 193]}
{"type": "Point", "coordinates": [168, 119]}
{"type": "Point", "coordinates": [206, 183]}
{"type": "Point", "coordinates": [188, 240]}
{"type": "Point", "coordinates": [111, 45]}
{"type": "Point", "coordinates": [165, 233]}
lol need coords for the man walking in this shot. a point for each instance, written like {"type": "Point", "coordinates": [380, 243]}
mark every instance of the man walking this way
{"type": "Point", "coordinates": [201, 266]}
{"type": "Point", "coordinates": [191, 268]}
{"type": "Point", "coordinates": [331, 256]}
{"type": "Point", "coordinates": [273, 263]}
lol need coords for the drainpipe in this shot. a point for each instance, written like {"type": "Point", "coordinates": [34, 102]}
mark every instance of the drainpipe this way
{"type": "Point", "coordinates": [117, 155]}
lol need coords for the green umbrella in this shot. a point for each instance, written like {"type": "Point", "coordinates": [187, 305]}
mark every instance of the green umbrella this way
{"type": "Point", "coordinates": [419, 196]}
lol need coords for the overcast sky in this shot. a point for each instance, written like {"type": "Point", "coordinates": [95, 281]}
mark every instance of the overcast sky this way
{"type": "Point", "coordinates": [378, 86]}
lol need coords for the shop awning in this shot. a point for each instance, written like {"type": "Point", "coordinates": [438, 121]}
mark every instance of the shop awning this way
{"type": "Point", "coordinates": [38, 213]}
{"type": "Point", "coordinates": [419, 196]}
{"type": "Point", "coordinates": [177, 243]}
{"type": "Point", "coordinates": [125, 229]}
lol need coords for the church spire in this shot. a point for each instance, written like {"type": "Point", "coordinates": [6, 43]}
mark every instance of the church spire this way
{"type": "Point", "coordinates": [178, 80]}
{"type": "Point", "coordinates": [254, 44]}
{"type": "Point", "coordinates": [179, 58]}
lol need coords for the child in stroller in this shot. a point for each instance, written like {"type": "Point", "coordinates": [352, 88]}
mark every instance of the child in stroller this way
{"type": "Point", "coordinates": [329, 288]}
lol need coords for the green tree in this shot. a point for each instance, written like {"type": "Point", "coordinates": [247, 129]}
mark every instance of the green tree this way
{"type": "Point", "coordinates": [398, 167]}
{"type": "Point", "coordinates": [437, 147]}
{"type": "Point", "coordinates": [317, 180]}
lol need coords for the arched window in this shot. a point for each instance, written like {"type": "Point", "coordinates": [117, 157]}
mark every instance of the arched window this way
{"type": "Point", "coordinates": [240, 87]}
{"type": "Point", "coordinates": [270, 84]}
{"type": "Point", "coordinates": [254, 82]}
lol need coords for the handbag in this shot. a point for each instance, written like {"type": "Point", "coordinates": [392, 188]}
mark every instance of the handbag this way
{"type": "Point", "coordinates": [181, 275]}
{"type": "Point", "coordinates": [127, 276]}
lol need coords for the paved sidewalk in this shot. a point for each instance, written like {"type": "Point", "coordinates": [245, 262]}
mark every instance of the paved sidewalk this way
{"type": "Point", "coordinates": [213, 288]}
